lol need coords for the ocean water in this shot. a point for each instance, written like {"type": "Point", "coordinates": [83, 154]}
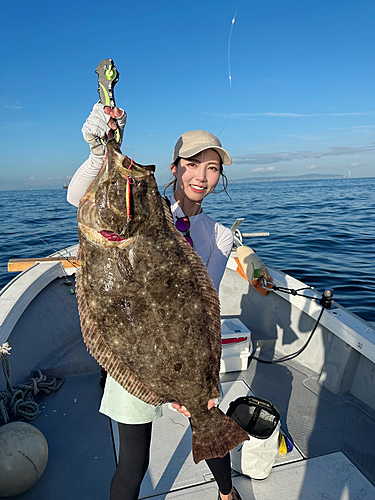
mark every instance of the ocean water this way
{"type": "Point", "coordinates": [321, 232]}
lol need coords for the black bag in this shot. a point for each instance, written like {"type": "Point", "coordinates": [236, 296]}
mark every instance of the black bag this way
{"type": "Point", "coordinates": [258, 417]}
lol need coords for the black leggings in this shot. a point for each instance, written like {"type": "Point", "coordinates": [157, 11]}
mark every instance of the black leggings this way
{"type": "Point", "coordinates": [134, 458]}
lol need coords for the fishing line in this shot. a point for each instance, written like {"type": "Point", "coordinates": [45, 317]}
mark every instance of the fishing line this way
{"type": "Point", "coordinates": [64, 257]}
{"type": "Point", "coordinates": [229, 41]}
{"type": "Point", "coordinates": [130, 181]}
{"type": "Point", "coordinates": [54, 249]}
{"type": "Point", "coordinates": [229, 72]}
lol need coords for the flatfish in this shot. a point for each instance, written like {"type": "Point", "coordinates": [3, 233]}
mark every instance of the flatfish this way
{"type": "Point", "coordinates": [150, 314]}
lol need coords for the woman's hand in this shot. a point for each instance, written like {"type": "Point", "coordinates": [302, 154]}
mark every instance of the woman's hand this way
{"type": "Point", "coordinates": [114, 114]}
{"type": "Point", "coordinates": [184, 411]}
{"type": "Point", "coordinates": [100, 123]}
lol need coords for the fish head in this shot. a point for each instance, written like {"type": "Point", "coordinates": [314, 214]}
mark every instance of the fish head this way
{"type": "Point", "coordinates": [121, 198]}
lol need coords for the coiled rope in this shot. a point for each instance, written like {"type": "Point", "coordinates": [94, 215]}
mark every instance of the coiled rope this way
{"type": "Point", "coordinates": [18, 402]}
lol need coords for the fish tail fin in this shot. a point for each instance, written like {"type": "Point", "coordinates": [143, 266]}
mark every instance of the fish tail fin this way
{"type": "Point", "coordinates": [214, 435]}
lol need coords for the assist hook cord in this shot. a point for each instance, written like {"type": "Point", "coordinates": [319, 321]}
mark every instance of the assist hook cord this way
{"type": "Point", "coordinates": [325, 302]}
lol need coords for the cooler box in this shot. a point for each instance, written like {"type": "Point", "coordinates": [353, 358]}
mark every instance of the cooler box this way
{"type": "Point", "coordinates": [237, 345]}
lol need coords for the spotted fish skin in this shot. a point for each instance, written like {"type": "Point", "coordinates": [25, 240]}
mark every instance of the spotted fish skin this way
{"type": "Point", "coordinates": [149, 312]}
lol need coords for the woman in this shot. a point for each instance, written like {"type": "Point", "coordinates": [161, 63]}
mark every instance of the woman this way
{"type": "Point", "coordinates": [197, 166]}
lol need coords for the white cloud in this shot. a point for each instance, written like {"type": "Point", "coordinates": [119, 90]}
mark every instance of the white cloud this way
{"type": "Point", "coordinates": [354, 165]}
{"type": "Point", "coordinates": [360, 127]}
{"type": "Point", "coordinates": [12, 106]}
{"type": "Point", "coordinates": [312, 167]}
{"type": "Point", "coordinates": [264, 169]}
{"type": "Point", "coordinates": [297, 115]}
{"type": "Point", "coordinates": [277, 157]}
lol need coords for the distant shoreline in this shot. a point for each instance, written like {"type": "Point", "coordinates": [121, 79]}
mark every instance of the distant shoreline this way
{"type": "Point", "coordinates": [308, 177]}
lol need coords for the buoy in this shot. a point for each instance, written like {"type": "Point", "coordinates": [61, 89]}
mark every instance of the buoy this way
{"type": "Point", "coordinates": [23, 457]}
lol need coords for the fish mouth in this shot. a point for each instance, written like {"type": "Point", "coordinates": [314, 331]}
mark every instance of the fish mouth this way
{"type": "Point", "coordinates": [104, 237]}
{"type": "Point", "coordinates": [111, 235]}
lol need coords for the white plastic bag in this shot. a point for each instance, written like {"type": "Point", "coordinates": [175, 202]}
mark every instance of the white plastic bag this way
{"type": "Point", "coordinates": [255, 458]}
{"type": "Point", "coordinates": [261, 420]}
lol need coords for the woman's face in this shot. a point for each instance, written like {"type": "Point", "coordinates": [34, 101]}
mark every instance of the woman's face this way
{"type": "Point", "coordinates": [197, 176]}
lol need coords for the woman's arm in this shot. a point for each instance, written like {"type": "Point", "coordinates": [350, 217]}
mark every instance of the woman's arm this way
{"type": "Point", "coordinates": [98, 125]}
{"type": "Point", "coordinates": [83, 178]}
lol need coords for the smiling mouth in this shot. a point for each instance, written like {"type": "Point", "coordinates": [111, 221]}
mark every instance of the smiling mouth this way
{"type": "Point", "coordinates": [197, 188]}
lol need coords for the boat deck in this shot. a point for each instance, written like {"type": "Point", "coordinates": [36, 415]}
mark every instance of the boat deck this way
{"type": "Point", "coordinates": [333, 455]}
{"type": "Point", "coordinates": [318, 421]}
{"type": "Point", "coordinates": [334, 436]}
{"type": "Point", "coordinates": [81, 457]}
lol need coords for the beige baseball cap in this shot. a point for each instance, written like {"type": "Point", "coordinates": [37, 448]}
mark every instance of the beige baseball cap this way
{"type": "Point", "coordinates": [195, 141]}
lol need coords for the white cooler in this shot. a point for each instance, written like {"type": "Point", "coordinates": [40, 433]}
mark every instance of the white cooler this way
{"type": "Point", "coordinates": [237, 345]}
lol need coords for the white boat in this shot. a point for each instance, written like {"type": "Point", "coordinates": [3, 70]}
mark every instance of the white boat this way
{"type": "Point", "coordinates": [325, 395]}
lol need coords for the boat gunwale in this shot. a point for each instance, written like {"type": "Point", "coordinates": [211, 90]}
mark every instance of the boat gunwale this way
{"type": "Point", "coordinates": [347, 326]}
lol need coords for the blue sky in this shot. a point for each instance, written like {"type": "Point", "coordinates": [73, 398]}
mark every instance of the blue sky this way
{"type": "Point", "coordinates": [301, 98]}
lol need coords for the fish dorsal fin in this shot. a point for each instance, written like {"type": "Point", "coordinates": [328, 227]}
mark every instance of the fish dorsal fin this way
{"type": "Point", "coordinates": [211, 302]}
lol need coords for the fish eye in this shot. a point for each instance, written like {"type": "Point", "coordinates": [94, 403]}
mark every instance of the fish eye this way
{"type": "Point", "coordinates": [142, 185]}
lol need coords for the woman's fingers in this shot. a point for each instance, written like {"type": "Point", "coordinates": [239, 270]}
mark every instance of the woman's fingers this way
{"type": "Point", "coordinates": [112, 124]}
{"type": "Point", "coordinates": [181, 409]}
{"type": "Point", "coordinates": [113, 113]}
{"type": "Point", "coordinates": [118, 112]}
{"type": "Point", "coordinates": [211, 404]}
{"type": "Point", "coordinates": [184, 410]}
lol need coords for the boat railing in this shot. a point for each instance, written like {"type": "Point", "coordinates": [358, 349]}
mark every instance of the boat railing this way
{"type": "Point", "coordinates": [238, 235]}
{"type": "Point", "coordinates": [353, 330]}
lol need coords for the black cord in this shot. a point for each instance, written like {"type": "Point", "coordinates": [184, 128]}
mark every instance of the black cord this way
{"type": "Point", "coordinates": [325, 301]}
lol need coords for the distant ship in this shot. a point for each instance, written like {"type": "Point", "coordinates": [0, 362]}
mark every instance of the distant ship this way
{"type": "Point", "coordinates": [65, 186]}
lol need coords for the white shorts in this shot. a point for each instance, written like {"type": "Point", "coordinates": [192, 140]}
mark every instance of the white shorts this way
{"type": "Point", "coordinates": [120, 405]}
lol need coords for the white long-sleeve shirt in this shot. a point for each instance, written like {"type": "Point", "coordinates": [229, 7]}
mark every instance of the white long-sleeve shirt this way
{"type": "Point", "coordinates": [83, 178]}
